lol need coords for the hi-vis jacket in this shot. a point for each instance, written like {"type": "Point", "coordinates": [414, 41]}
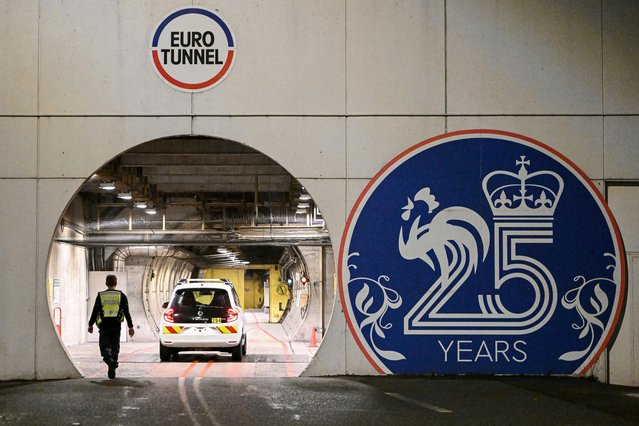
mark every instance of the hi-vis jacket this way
{"type": "Point", "coordinates": [111, 307]}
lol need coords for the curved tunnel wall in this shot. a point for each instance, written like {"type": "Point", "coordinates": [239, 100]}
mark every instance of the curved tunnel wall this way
{"type": "Point", "coordinates": [331, 123]}
{"type": "Point", "coordinates": [152, 276]}
{"type": "Point", "coordinates": [159, 279]}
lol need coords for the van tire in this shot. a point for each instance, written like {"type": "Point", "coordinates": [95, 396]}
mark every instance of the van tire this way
{"type": "Point", "coordinates": [236, 353]}
{"type": "Point", "coordinates": [244, 345]}
{"type": "Point", "coordinates": [165, 353]}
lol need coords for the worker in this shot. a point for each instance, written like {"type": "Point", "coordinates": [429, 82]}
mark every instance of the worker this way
{"type": "Point", "coordinates": [110, 309]}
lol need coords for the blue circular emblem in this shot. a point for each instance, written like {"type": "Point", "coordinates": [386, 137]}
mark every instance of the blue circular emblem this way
{"type": "Point", "coordinates": [484, 252]}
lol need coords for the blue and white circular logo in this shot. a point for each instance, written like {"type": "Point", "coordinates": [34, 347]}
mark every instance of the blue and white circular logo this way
{"type": "Point", "coordinates": [482, 252]}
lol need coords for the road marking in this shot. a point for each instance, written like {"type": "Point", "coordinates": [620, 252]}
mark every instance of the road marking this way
{"type": "Point", "coordinates": [202, 399]}
{"type": "Point", "coordinates": [130, 354]}
{"type": "Point", "coordinates": [205, 369]}
{"type": "Point", "coordinates": [188, 369]}
{"type": "Point", "coordinates": [185, 400]}
{"type": "Point", "coordinates": [285, 347]}
{"type": "Point", "coordinates": [418, 403]}
{"type": "Point", "coordinates": [123, 358]}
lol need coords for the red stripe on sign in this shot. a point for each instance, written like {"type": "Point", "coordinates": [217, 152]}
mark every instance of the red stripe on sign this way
{"type": "Point", "coordinates": [218, 76]}
{"type": "Point", "coordinates": [213, 80]}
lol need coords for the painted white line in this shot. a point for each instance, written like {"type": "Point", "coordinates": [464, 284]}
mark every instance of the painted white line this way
{"type": "Point", "coordinates": [202, 399]}
{"type": "Point", "coordinates": [185, 401]}
{"type": "Point", "coordinates": [418, 403]}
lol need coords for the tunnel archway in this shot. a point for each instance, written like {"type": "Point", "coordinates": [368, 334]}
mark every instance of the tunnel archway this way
{"type": "Point", "coordinates": [194, 206]}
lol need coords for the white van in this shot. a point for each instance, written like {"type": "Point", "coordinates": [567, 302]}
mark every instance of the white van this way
{"type": "Point", "coordinates": [203, 315]}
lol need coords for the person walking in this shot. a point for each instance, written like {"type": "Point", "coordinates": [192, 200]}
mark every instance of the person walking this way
{"type": "Point", "coordinates": [111, 308]}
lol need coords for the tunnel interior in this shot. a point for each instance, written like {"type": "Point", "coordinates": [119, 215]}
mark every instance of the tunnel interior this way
{"type": "Point", "coordinates": [193, 207]}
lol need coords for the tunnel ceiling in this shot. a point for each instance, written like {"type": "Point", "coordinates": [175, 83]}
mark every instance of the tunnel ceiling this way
{"type": "Point", "coordinates": [214, 199]}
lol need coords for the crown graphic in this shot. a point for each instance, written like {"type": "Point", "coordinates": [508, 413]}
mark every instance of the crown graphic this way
{"type": "Point", "coordinates": [523, 194]}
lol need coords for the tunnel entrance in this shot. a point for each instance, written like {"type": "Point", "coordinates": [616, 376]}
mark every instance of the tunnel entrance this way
{"type": "Point", "coordinates": [194, 207]}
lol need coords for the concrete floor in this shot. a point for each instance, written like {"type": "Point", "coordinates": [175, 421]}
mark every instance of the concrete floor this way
{"type": "Point", "coordinates": [269, 354]}
{"type": "Point", "coordinates": [263, 389]}
{"type": "Point", "coordinates": [263, 401]}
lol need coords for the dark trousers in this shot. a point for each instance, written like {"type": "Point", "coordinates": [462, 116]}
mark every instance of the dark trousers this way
{"type": "Point", "coordinates": [110, 344]}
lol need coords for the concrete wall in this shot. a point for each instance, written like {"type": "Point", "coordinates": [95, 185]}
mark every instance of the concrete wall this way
{"type": "Point", "coordinates": [329, 286]}
{"type": "Point", "coordinates": [305, 302]}
{"type": "Point", "coordinates": [67, 280]}
{"type": "Point", "coordinates": [624, 355]}
{"type": "Point", "coordinates": [136, 276]}
{"type": "Point", "coordinates": [331, 90]}
{"type": "Point", "coordinates": [159, 280]}
{"type": "Point", "coordinates": [67, 291]}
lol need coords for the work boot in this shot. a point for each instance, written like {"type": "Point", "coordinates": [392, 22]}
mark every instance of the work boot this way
{"type": "Point", "coordinates": [111, 372]}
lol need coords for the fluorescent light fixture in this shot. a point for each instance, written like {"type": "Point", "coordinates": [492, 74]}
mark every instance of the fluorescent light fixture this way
{"type": "Point", "coordinates": [125, 195]}
{"type": "Point", "coordinates": [151, 210]}
{"type": "Point", "coordinates": [107, 186]}
{"type": "Point", "coordinates": [300, 211]}
{"type": "Point", "coordinates": [303, 205]}
{"type": "Point", "coordinates": [140, 204]}
{"type": "Point", "coordinates": [305, 197]}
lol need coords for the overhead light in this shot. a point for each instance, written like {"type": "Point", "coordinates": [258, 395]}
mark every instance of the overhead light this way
{"type": "Point", "coordinates": [140, 204]}
{"type": "Point", "coordinates": [300, 211]}
{"type": "Point", "coordinates": [125, 195]}
{"type": "Point", "coordinates": [245, 262]}
{"type": "Point", "coordinates": [151, 210]}
{"type": "Point", "coordinates": [303, 205]}
{"type": "Point", "coordinates": [107, 186]}
{"type": "Point", "coordinates": [305, 197]}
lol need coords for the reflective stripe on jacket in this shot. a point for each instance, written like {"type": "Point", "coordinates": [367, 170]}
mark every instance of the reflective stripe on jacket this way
{"type": "Point", "coordinates": [110, 303]}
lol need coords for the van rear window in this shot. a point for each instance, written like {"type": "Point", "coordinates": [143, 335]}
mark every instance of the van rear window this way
{"type": "Point", "coordinates": [201, 305]}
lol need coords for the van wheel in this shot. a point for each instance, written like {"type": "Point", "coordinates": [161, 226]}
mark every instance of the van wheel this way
{"type": "Point", "coordinates": [236, 353]}
{"type": "Point", "coordinates": [165, 353]}
{"type": "Point", "coordinates": [244, 345]}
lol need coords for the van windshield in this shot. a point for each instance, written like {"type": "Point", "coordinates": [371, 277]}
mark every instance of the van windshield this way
{"type": "Point", "coordinates": [201, 305]}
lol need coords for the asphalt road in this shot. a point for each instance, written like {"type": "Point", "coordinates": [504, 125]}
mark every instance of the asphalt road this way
{"type": "Point", "coordinates": [318, 401]}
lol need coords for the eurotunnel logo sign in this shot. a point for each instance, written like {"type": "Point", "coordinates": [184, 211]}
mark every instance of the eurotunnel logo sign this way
{"type": "Point", "coordinates": [482, 252]}
{"type": "Point", "coordinates": [192, 49]}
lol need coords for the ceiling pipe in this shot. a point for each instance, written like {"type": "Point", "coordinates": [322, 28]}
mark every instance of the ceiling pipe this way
{"type": "Point", "coordinates": [255, 197]}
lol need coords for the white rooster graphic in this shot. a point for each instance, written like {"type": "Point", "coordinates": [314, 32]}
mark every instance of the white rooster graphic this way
{"type": "Point", "coordinates": [450, 242]}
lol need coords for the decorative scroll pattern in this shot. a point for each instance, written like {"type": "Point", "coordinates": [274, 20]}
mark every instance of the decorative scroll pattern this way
{"type": "Point", "coordinates": [372, 301]}
{"type": "Point", "coordinates": [596, 306]}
